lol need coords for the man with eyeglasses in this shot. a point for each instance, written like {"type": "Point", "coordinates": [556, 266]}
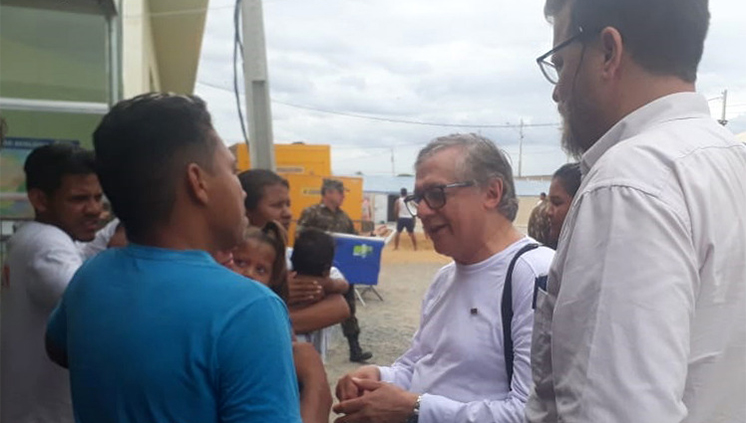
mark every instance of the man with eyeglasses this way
{"type": "Point", "coordinates": [458, 368]}
{"type": "Point", "coordinates": [642, 319]}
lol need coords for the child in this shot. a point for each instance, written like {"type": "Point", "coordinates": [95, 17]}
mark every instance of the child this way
{"type": "Point", "coordinates": [261, 256]}
{"type": "Point", "coordinates": [313, 253]}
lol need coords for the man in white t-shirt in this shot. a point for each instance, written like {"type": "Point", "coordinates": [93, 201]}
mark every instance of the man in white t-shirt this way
{"type": "Point", "coordinates": [42, 258]}
{"type": "Point", "coordinates": [458, 368]}
{"type": "Point", "coordinates": [404, 220]}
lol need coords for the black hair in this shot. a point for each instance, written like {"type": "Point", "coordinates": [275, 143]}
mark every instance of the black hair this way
{"type": "Point", "coordinates": [254, 181]}
{"type": "Point", "coordinates": [403, 192]}
{"type": "Point", "coordinates": [46, 165]}
{"type": "Point", "coordinates": [569, 176]}
{"type": "Point", "coordinates": [143, 146]}
{"type": "Point", "coordinates": [663, 36]}
{"type": "Point", "coordinates": [313, 253]}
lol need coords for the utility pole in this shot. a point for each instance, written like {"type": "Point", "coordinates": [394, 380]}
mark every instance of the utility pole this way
{"type": "Point", "coordinates": [256, 81]}
{"type": "Point", "coordinates": [393, 164]}
{"type": "Point", "coordinates": [723, 121]}
{"type": "Point", "coordinates": [520, 151]}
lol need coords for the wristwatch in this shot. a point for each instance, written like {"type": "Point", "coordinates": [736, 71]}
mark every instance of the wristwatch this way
{"type": "Point", "coordinates": [415, 416]}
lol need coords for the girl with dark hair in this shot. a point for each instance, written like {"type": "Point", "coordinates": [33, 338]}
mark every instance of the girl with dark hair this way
{"type": "Point", "coordinates": [261, 257]}
{"type": "Point", "coordinates": [565, 184]}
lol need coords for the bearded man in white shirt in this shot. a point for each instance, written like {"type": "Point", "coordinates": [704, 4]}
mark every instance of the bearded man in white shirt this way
{"type": "Point", "coordinates": [456, 369]}
{"type": "Point", "coordinates": [643, 316]}
{"type": "Point", "coordinates": [42, 257]}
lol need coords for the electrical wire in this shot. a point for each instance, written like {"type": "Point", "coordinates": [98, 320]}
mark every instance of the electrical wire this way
{"type": "Point", "coordinates": [401, 121]}
{"type": "Point", "coordinates": [417, 122]}
{"type": "Point", "coordinates": [236, 45]}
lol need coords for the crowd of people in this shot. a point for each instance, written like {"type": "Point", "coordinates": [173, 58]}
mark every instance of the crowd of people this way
{"type": "Point", "coordinates": [191, 307]}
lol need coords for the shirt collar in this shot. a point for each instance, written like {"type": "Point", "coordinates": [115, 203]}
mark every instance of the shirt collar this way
{"type": "Point", "coordinates": [165, 254]}
{"type": "Point", "coordinates": [685, 105]}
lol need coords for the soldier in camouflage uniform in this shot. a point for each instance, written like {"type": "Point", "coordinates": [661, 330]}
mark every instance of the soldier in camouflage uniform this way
{"type": "Point", "coordinates": [328, 216]}
{"type": "Point", "coordinates": [539, 224]}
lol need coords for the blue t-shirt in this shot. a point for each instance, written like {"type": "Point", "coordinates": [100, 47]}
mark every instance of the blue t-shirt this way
{"type": "Point", "coordinates": [155, 335]}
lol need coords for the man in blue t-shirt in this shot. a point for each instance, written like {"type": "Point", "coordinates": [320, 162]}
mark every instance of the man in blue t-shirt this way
{"type": "Point", "coordinates": [158, 331]}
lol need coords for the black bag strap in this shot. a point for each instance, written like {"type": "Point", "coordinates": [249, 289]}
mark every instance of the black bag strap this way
{"type": "Point", "coordinates": [507, 311]}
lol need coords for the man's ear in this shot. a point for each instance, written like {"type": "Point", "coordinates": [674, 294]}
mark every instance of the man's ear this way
{"type": "Point", "coordinates": [197, 183]}
{"type": "Point", "coordinates": [39, 200]}
{"type": "Point", "coordinates": [612, 46]}
{"type": "Point", "coordinates": [493, 193]}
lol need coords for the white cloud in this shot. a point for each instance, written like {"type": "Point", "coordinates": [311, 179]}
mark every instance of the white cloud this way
{"type": "Point", "coordinates": [469, 62]}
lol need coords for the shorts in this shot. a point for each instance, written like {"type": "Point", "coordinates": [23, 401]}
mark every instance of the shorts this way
{"type": "Point", "coordinates": [405, 222]}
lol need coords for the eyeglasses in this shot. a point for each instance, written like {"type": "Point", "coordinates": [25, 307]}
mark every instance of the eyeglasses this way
{"type": "Point", "coordinates": [549, 69]}
{"type": "Point", "coordinates": [435, 197]}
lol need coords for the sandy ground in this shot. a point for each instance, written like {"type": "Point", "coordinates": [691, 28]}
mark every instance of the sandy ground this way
{"type": "Point", "coordinates": [387, 326]}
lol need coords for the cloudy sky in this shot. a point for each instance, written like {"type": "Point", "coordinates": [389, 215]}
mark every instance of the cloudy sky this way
{"type": "Point", "coordinates": [377, 79]}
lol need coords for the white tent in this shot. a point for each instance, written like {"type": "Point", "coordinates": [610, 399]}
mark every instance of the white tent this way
{"type": "Point", "coordinates": [741, 137]}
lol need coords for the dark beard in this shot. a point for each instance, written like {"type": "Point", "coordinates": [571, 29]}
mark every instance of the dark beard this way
{"type": "Point", "coordinates": [570, 142]}
{"type": "Point", "coordinates": [574, 118]}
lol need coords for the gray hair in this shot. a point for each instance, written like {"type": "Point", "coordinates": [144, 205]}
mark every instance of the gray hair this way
{"type": "Point", "coordinates": [481, 162]}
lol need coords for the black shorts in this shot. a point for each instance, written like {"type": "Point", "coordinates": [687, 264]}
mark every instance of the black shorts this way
{"type": "Point", "coordinates": [405, 222]}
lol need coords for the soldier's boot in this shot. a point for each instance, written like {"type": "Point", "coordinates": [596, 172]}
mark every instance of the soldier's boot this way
{"type": "Point", "coordinates": [357, 354]}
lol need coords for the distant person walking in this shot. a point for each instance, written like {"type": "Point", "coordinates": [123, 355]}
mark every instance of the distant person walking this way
{"type": "Point", "coordinates": [404, 220]}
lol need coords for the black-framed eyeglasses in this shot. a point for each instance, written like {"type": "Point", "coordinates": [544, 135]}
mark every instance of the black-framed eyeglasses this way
{"type": "Point", "coordinates": [549, 69]}
{"type": "Point", "coordinates": [435, 197]}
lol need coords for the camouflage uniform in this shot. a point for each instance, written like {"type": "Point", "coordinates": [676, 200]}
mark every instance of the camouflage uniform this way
{"type": "Point", "coordinates": [321, 217]}
{"type": "Point", "coordinates": [539, 224]}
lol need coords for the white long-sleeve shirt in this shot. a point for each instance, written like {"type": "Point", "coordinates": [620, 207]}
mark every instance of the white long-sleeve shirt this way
{"type": "Point", "coordinates": [456, 359]}
{"type": "Point", "coordinates": [644, 317]}
{"type": "Point", "coordinates": [40, 264]}
{"type": "Point", "coordinates": [100, 242]}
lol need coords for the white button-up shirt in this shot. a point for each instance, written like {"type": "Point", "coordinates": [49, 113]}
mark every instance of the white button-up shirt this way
{"type": "Point", "coordinates": [644, 317]}
{"type": "Point", "coordinates": [456, 358]}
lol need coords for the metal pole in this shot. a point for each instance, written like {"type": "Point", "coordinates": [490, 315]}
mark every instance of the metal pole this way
{"type": "Point", "coordinates": [520, 152]}
{"type": "Point", "coordinates": [393, 164]}
{"type": "Point", "coordinates": [113, 49]}
{"type": "Point", "coordinates": [723, 121]}
{"type": "Point", "coordinates": [256, 81]}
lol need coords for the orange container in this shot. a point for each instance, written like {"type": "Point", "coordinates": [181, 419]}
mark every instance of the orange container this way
{"type": "Point", "coordinates": [302, 159]}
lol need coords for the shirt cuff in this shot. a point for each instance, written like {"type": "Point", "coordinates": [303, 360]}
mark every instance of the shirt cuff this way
{"type": "Point", "coordinates": [435, 409]}
{"type": "Point", "coordinates": [387, 374]}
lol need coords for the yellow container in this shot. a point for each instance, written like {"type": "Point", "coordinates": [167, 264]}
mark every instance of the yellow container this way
{"type": "Point", "coordinates": [305, 167]}
{"type": "Point", "coordinates": [300, 159]}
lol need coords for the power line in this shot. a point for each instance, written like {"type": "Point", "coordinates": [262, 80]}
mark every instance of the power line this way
{"type": "Point", "coordinates": [400, 121]}
{"type": "Point", "coordinates": [413, 122]}
{"type": "Point", "coordinates": [237, 44]}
